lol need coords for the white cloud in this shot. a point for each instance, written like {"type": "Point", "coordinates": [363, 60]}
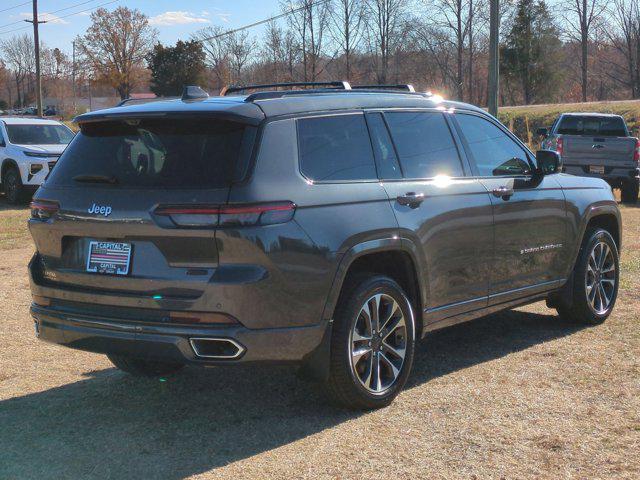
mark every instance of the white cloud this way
{"type": "Point", "coordinates": [46, 17]}
{"type": "Point", "coordinates": [176, 18]}
{"type": "Point", "coordinates": [223, 16]}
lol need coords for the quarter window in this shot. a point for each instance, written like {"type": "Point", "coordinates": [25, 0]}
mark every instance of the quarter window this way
{"type": "Point", "coordinates": [425, 145]}
{"type": "Point", "coordinates": [494, 152]}
{"type": "Point", "coordinates": [335, 148]}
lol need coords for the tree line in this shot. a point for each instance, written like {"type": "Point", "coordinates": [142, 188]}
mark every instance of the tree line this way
{"type": "Point", "coordinates": [562, 50]}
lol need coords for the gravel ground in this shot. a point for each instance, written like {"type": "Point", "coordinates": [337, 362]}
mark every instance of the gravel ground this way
{"type": "Point", "coordinates": [514, 395]}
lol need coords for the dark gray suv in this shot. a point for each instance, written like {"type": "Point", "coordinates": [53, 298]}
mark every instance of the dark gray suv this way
{"type": "Point", "coordinates": [329, 227]}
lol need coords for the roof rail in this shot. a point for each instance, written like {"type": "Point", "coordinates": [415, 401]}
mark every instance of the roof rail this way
{"type": "Point", "coordinates": [341, 85]}
{"type": "Point", "coordinates": [403, 86]}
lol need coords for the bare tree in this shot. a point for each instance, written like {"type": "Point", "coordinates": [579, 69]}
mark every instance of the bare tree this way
{"type": "Point", "coordinates": [346, 27]}
{"type": "Point", "coordinates": [216, 49]}
{"type": "Point", "coordinates": [240, 48]}
{"type": "Point", "coordinates": [385, 24]}
{"type": "Point", "coordinates": [116, 44]}
{"type": "Point", "coordinates": [309, 24]}
{"type": "Point", "coordinates": [579, 16]}
{"type": "Point", "coordinates": [624, 36]}
{"type": "Point", "coordinates": [19, 53]}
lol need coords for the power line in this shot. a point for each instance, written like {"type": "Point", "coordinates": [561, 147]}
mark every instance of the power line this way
{"type": "Point", "coordinates": [48, 13]}
{"type": "Point", "coordinates": [267, 20]}
{"type": "Point", "coordinates": [15, 6]}
{"type": "Point", "coordinates": [66, 16]}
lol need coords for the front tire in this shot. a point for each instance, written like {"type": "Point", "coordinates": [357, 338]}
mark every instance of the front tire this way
{"type": "Point", "coordinates": [372, 344]}
{"type": "Point", "coordinates": [629, 192]}
{"type": "Point", "coordinates": [13, 188]}
{"type": "Point", "coordinates": [595, 280]}
{"type": "Point", "coordinates": [144, 368]}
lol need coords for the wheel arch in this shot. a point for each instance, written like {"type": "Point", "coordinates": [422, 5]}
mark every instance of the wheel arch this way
{"type": "Point", "coordinates": [393, 257]}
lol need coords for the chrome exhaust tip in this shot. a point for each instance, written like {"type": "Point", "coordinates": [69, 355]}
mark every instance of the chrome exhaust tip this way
{"type": "Point", "coordinates": [222, 348]}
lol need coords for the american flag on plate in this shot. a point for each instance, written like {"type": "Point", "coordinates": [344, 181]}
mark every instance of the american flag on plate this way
{"type": "Point", "coordinates": [109, 257]}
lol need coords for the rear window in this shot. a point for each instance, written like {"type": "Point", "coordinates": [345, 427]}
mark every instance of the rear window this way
{"type": "Point", "coordinates": [335, 148]}
{"type": "Point", "coordinates": [198, 153]}
{"type": "Point", "coordinates": [39, 134]}
{"type": "Point", "coordinates": [593, 126]}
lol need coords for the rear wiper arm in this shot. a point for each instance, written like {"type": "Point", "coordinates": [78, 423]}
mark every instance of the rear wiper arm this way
{"type": "Point", "coordinates": [91, 178]}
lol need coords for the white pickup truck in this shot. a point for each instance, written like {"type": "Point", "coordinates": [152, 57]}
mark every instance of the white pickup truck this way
{"type": "Point", "coordinates": [596, 145]}
{"type": "Point", "coordinates": [29, 148]}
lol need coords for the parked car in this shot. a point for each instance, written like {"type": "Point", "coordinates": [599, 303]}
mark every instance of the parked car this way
{"type": "Point", "coordinates": [29, 148]}
{"type": "Point", "coordinates": [330, 228]}
{"type": "Point", "coordinates": [597, 145]}
{"type": "Point", "coordinates": [50, 111]}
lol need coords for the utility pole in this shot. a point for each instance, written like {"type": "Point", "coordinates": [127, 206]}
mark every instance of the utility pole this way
{"type": "Point", "coordinates": [494, 59]}
{"type": "Point", "coordinates": [36, 40]}
{"type": "Point", "coordinates": [73, 75]}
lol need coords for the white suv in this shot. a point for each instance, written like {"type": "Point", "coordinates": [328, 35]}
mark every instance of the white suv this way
{"type": "Point", "coordinates": [29, 148]}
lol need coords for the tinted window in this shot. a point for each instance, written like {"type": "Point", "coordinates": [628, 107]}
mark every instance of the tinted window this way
{"type": "Point", "coordinates": [494, 152]}
{"type": "Point", "coordinates": [39, 134]}
{"type": "Point", "coordinates": [336, 148]}
{"type": "Point", "coordinates": [156, 153]}
{"type": "Point", "coordinates": [592, 125]}
{"type": "Point", "coordinates": [385, 154]}
{"type": "Point", "coordinates": [424, 143]}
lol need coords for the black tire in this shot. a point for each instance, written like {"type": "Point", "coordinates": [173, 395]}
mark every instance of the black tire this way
{"type": "Point", "coordinates": [583, 309]}
{"type": "Point", "coordinates": [13, 188]}
{"type": "Point", "coordinates": [343, 386]}
{"type": "Point", "coordinates": [144, 368]}
{"type": "Point", "coordinates": [629, 192]}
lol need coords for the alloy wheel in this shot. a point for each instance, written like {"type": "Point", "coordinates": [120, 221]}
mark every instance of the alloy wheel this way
{"type": "Point", "coordinates": [378, 343]}
{"type": "Point", "coordinates": [600, 278]}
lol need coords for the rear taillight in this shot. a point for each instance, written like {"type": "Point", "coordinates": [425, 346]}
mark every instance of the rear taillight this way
{"type": "Point", "coordinates": [636, 152]}
{"type": "Point", "coordinates": [202, 216]}
{"type": "Point", "coordinates": [43, 209]}
{"type": "Point", "coordinates": [559, 146]}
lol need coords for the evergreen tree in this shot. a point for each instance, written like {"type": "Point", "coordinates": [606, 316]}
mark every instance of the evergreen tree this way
{"type": "Point", "coordinates": [530, 56]}
{"type": "Point", "coordinates": [174, 67]}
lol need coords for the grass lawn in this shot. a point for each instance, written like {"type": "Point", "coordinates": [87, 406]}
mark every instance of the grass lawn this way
{"type": "Point", "coordinates": [515, 395]}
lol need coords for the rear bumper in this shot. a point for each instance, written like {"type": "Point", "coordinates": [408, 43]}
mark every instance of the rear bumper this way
{"type": "Point", "coordinates": [172, 342]}
{"type": "Point", "coordinates": [611, 174]}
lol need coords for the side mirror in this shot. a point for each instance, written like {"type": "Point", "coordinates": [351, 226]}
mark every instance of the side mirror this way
{"type": "Point", "coordinates": [542, 132]}
{"type": "Point", "coordinates": [548, 162]}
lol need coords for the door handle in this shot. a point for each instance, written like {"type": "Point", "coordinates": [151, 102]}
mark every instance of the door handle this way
{"type": "Point", "coordinates": [503, 192]}
{"type": "Point", "coordinates": [411, 199]}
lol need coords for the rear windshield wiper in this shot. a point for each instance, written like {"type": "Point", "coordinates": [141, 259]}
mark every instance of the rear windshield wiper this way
{"type": "Point", "coordinates": [91, 178]}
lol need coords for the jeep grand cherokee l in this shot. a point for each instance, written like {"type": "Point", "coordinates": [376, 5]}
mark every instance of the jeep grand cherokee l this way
{"type": "Point", "coordinates": [329, 227]}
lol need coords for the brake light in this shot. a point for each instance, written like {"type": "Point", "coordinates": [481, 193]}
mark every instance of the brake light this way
{"type": "Point", "coordinates": [559, 146]}
{"type": "Point", "coordinates": [227, 215]}
{"type": "Point", "coordinates": [636, 153]}
{"type": "Point", "coordinates": [43, 209]}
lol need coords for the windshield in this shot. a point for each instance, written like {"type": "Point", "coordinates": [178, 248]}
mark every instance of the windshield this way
{"type": "Point", "coordinates": [593, 126]}
{"type": "Point", "coordinates": [156, 153]}
{"type": "Point", "coordinates": [39, 134]}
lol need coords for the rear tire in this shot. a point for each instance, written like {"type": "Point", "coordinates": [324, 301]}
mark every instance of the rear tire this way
{"type": "Point", "coordinates": [144, 368]}
{"type": "Point", "coordinates": [13, 188]}
{"type": "Point", "coordinates": [372, 343]}
{"type": "Point", "coordinates": [629, 192]}
{"type": "Point", "coordinates": [595, 280]}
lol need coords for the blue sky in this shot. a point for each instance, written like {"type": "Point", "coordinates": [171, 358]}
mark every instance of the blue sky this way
{"type": "Point", "coordinates": [173, 19]}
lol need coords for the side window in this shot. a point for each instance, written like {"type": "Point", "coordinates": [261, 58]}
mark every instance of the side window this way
{"type": "Point", "coordinates": [493, 151]}
{"type": "Point", "coordinates": [388, 166]}
{"type": "Point", "coordinates": [335, 148]}
{"type": "Point", "coordinates": [1, 137]}
{"type": "Point", "coordinates": [425, 145]}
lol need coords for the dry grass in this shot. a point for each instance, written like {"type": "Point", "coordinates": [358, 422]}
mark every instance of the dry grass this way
{"type": "Point", "coordinates": [515, 395]}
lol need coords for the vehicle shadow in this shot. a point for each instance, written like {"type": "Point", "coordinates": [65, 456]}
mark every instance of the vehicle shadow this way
{"type": "Point", "coordinates": [4, 205]}
{"type": "Point", "coordinates": [111, 425]}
